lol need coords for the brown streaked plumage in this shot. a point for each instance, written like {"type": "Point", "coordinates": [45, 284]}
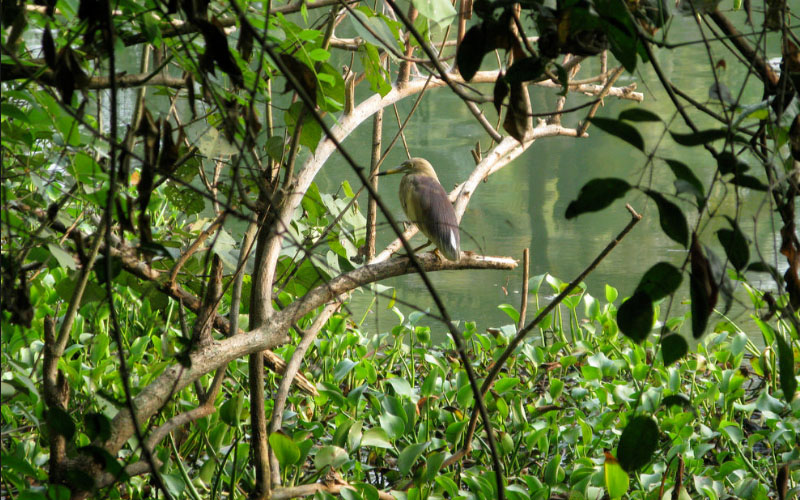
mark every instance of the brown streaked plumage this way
{"type": "Point", "coordinates": [426, 204]}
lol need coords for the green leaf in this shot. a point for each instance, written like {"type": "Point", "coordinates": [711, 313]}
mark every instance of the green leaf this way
{"type": "Point", "coordinates": [510, 311]}
{"type": "Point", "coordinates": [330, 456]}
{"type": "Point", "coordinates": [434, 462]}
{"type": "Point", "coordinates": [470, 52]}
{"type": "Point", "coordinates": [409, 455]}
{"type": "Point", "coordinates": [319, 54]}
{"type": "Point", "coordinates": [440, 12]}
{"type": "Point", "coordinates": [620, 129]}
{"type": "Point", "coordinates": [376, 74]}
{"type": "Point", "coordinates": [734, 243]}
{"type": "Point", "coordinates": [673, 348]}
{"type": "Point", "coordinates": [19, 466]}
{"type": "Point", "coordinates": [699, 138]}
{"type": "Point", "coordinates": [401, 386]}
{"type": "Point", "coordinates": [448, 485]}
{"type": "Point", "coordinates": [786, 367]}
{"type": "Point", "coordinates": [377, 438]}
{"type": "Point", "coordinates": [98, 426]}
{"type": "Point", "coordinates": [729, 163]}
{"type": "Point", "coordinates": [551, 471]}
{"type": "Point", "coordinates": [60, 422]}
{"type": "Point", "coordinates": [639, 115]}
{"type": "Point", "coordinates": [660, 280]}
{"type": "Point", "coordinates": [392, 424]}
{"type": "Point", "coordinates": [366, 23]}
{"type": "Point", "coordinates": [679, 400]}
{"type": "Point", "coordinates": [454, 430]}
{"type": "Point", "coordinates": [616, 479]}
{"type": "Point", "coordinates": [638, 443]}
{"type": "Point", "coordinates": [101, 268]}
{"type": "Point", "coordinates": [671, 218]}
{"type": "Point", "coordinates": [635, 317]}
{"type": "Point", "coordinates": [343, 367]}
{"type": "Point", "coordinates": [286, 450]}
{"type": "Point", "coordinates": [505, 384]}
{"type": "Point", "coordinates": [231, 410]}
{"type": "Point", "coordinates": [63, 258]}
{"type": "Point", "coordinates": [686, 181]}
{"type": "Point", "coordinates": [524, 70]}
{"type": "Point", "coordinates": [762, 267]}
{"type": "Point", "coordinates": [596, 195]}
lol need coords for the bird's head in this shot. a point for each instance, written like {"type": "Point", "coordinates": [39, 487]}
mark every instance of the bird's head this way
{"type": "Point", "coordinates": [418, 166]}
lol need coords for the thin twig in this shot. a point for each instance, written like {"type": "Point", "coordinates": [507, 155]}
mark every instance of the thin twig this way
{"type": "Point", "coordinates": [526, 267]}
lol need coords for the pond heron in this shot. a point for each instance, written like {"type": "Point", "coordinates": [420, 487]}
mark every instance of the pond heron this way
{"type": "Point", "coordinates": [426, 204]}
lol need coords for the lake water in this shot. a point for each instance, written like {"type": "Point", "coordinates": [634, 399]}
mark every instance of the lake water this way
{"type": "Point", "coordinates": [523, 205]}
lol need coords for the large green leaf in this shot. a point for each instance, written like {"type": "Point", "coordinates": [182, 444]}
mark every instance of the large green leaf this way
{"type": "Point", "coordinates": [638, 443]}
{"type": "Point", "coordinates": [786, 367]}
{"type": "Point", "coordinates": [635, 316]}
{"type": "Point", "coordinates": [686, 181]}
{"type": "Point", "coordinates": [409, 455]}
{"type": "Point", "coordinates": [660, 280]}
{"type": "Point", "coordinates": [330, 456]}
{"type": "Point", "coordinates": [287, 452]}
{"type": "Point", "coordinates": [620, 129]}
{"type": "Point", "coordinates": [671, 218]}
{"type": "Point", "coordinates": [596, 195]}
{"type": "Point", "coordinates": [673, 348]}
{"type": "Point", "coordinates": [616, 479]}
{"type": "Point", "coordinates": [60, 422]}
{"type": "Point", "coordinates": [735, 245]}
{"type": "Point", "coordinates": [376, 437]}
{"type": "Point", "coordinates": [439, 12]}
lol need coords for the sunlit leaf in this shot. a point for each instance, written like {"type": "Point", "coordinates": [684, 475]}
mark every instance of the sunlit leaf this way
{"type": "Point", "coordinates": [510, 311]}
{"type": "Point", "coordinates": [285, 448]}
{"type": "Point", "coordinates": [440, 12]}
{"type": "Point", "coordinates": [330, 456]}
{"type": "Point", "coordinates": [376, 437]}
{"type": "Point", "coordinates": [616, 479]}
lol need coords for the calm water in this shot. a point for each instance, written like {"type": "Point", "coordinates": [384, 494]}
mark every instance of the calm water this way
{"type": "Point", "coordinates": [523, 205]}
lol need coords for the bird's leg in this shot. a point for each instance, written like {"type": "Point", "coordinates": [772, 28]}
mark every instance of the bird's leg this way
{"type": "Point", "coordinates": [415, 250]}
{"type": "Point", "coordinates": [436, 251]}
{"type": "Point", "coordinates": [422, 246]}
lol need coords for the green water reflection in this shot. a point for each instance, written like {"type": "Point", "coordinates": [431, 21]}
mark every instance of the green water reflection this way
{"type": "Point", "coordinates": [523, 205]}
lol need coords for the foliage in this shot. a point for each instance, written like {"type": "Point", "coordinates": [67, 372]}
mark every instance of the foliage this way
{"type": "Point", "coordinates": [391, 410]}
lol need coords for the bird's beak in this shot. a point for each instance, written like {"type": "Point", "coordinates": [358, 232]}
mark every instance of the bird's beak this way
{"type": "Point", "coordinates": [392, 171]}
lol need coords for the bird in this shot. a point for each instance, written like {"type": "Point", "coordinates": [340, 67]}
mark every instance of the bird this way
{"type": "Point", "coordinates": [426, 204]}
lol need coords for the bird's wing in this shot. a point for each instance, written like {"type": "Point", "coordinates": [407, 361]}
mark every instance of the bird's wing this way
{"type": "Point", "coordinates": [434, 215]}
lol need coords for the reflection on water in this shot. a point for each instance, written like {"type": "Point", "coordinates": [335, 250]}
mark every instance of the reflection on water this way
{"type": "Point", "coordinates": [523, 205]}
